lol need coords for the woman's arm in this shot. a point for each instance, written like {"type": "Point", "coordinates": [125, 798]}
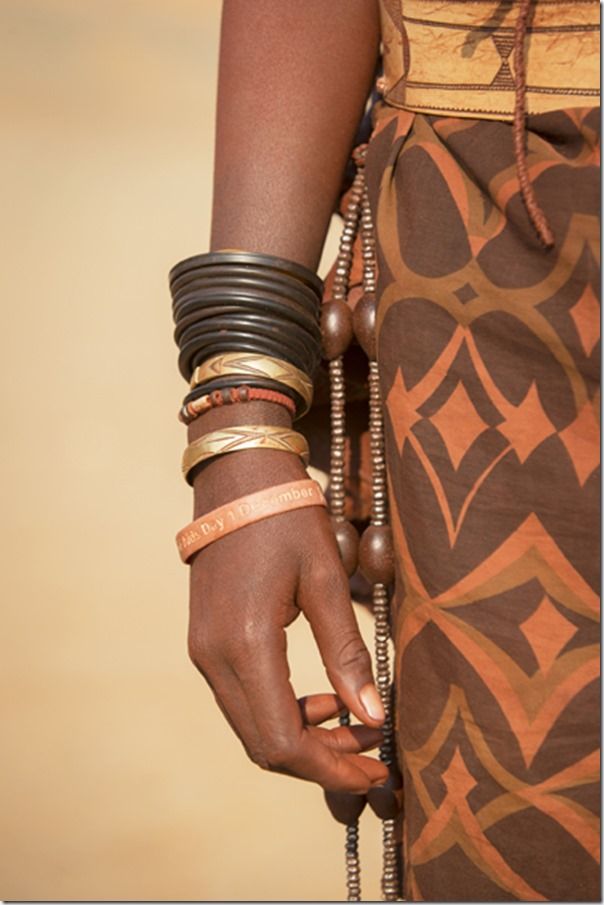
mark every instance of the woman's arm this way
{"type": "Point", "coordinates": [293, 81]}
{"type": "Point", "coordinates": [294, 77]}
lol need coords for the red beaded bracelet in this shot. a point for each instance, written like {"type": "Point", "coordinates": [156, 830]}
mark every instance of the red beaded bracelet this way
{"type": "Point", "coordinates": [192, 410]}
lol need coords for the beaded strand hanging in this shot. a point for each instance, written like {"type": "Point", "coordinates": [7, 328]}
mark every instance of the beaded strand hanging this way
{"type": "Point", "coordinates": [374, 552]}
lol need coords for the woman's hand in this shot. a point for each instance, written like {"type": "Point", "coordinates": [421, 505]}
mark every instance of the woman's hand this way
{"type": "Point", "coordinates": [245, 589]}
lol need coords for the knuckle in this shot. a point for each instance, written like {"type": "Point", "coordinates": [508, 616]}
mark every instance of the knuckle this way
{"type": "Point", "coordinates": [241, 644]}
{"type": "Point", "coordinates": [277, 755]}
{"type": "Point", "coordinates": [211, 645]}
{"type": "Point", "coordinates": [328, 574]}
{"type": "Point", "coordinates": [258, 757]}
{"type": "Point", "coordinates": [352, 653]}
{"type": "Point", "coordinates": [280, 757]}
{"type": "Point", "coordinates": [200, 654]}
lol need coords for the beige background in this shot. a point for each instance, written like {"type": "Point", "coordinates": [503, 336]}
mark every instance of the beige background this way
{"type": "Point", "coordinates": [120, 779]}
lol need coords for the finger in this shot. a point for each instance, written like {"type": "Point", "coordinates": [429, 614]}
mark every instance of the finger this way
{"type": "Point", "coordinates": [316, 708]}
{"type": "Point", "coordinates": [376, 770]}
{"type": "Point", "coordinates": [287, 746]}
{"type": "Point", "coordinates": [343, 772]}
{"type": "Point", "coordinates": [324, 597]}
{"type": "Point", "coordinates": [349, 739]}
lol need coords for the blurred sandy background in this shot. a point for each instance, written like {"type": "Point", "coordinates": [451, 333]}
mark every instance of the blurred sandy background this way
{"type": "Point", "coordinates": [119, 778]}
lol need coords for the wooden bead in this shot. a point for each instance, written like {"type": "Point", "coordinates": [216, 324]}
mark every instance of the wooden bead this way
{"type": "Point", "coordinates": [386, 801]}
{"type": "Point", "coordinates": [376, 554]}
{"type": "Point", "coordinates": [363, 321]}
{"type": "Point", "coordinates": [347, 537]}
{"type": "Point", "coordinates": [345, 807]}
{"type": "Point", "coordinates": [336, 328]}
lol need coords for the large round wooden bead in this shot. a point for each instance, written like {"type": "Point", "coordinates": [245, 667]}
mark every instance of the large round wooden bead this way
{"type": "Point", "coordinates": [376, 554]}
{"type": "Point", "coordinates": [336, 328]}
{"type": "Point", "coordinates": [385, 801]}
{"type": "Point", "coordinates": [363, 321]}
{"type": "Point", "coordinates": [347, 537]}
{"type": "Point", "coordinates": [345, 807]}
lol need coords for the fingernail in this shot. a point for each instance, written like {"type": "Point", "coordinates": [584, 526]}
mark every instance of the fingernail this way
{"type": "Point", "coordinates": [372, 702]}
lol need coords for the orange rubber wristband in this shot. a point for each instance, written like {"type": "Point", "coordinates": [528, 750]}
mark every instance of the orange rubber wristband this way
{"type": "Point", "coordinates": [245, 511]}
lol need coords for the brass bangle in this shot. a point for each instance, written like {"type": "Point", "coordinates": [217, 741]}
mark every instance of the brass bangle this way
{"type": "Point", "coordinates": [243, 436]}
{"type": "Point", "coordinates": [249, 365]}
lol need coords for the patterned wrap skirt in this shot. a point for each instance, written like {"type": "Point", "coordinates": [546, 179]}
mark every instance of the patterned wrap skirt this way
{"type": "Point", "coordinates": [489, 364]}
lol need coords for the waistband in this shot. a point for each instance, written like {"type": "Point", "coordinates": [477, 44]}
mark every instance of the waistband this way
{"type": "Point", "coordinates": [456, 57]}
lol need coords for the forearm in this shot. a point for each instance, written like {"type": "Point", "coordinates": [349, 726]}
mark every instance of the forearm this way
{"type": "Point", "coordinates": [293, 82]}
{"type": "Point", "coordinates": [294, 77]}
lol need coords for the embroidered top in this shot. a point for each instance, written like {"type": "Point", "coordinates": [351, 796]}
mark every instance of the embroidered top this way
{"type": "Point", "coordinates": [457, 56]}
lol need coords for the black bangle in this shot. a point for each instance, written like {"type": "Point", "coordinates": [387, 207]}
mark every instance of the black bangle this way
{"type": "Point", "coordinates": [226, 310]}
{"type": "Point", "coordinates": [301, 344]}
{"type": "Point", "coordinates": [274, 307]}
{"type": "Point", "coordinates": [246, 302]}
{"type": "Point", "coordinates": [224, 279]}
{"type": "Point", "coordinates": [267, 263]}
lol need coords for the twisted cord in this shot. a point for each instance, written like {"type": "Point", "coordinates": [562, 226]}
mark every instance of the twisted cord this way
{"type": "Point", "coordinates": [536, 215]}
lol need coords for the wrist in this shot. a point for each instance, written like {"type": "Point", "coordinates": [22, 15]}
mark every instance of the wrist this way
{"type": "Point", "coordinates": [255, 411]}
{"type": "Point", "coordinates": [236, 474]}
{"type": "Point", "coordinates": [229, 476]}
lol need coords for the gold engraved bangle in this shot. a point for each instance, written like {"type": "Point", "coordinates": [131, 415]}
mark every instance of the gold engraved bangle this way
{"type": "Point", "coordinates": [243, 436]}
{"type": "Point", "coordinates": [248, 365]}
{"type": "Point", "coordinates": [245, 511]}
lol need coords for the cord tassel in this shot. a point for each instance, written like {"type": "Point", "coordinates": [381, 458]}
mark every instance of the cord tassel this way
{"type": "Point", "coordinates": [536, 215]}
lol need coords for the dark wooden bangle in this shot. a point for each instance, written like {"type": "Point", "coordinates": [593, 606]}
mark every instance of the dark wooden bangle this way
{"type": "Point", "coordinates": [302, 345]}
{"type": "Point", "coordinates": [251, 259]}
{"type": "Point", "coordinates": [216, 310]}
{"type": "Point", "coordinates": [275, 308]}
{"type": "Point", "coordinates": [223, 279]}
{"type": "Point", "coordinates": [247, 327]}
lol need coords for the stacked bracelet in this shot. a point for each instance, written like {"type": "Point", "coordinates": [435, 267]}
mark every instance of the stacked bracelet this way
{"type": "Point", "coordinates": [191, 410]}
{"type": "Point", "coordinates": [242, 436]}
{"type": "Point", "coordinates": [255, 367]}
{"type": "Point", "coordinates": [227, 302]}
{"type": "Point", "coordinates": [246, 319]}
{"type": "Point", "coordinates": [245, 511]}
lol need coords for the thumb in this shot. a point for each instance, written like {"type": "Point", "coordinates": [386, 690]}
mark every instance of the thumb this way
{"type": "Point", "coordinates": [324, 598]}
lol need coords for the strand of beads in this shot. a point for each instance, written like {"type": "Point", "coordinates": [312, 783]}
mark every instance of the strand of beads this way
{"type": "Point", "coordinates": [374, 552]}
{"type": "Point", "coordinates": [336, 330]}
{"type": "Point", "coordinates": [376, 555]}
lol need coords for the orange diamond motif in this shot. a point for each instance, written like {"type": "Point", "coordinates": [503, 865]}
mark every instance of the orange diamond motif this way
{"type": "Point", "coordinates": [586, 318]}
{"type": "Point", "coordinates": [547, 632]}
{"type": "Point", "coordinates": [458, 423]}
{"type": "Point", "coordinates": [458, 780]}
{"type": "Point", "coordinates": [582, 441]}
{"type": "Point", "coordinates": [527, 424]}
{"type": "Point", "coordinates": [400, 408]}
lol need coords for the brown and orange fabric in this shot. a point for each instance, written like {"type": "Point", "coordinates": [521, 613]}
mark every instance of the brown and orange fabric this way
{"type": "Point", "coordinates": [488, 349]}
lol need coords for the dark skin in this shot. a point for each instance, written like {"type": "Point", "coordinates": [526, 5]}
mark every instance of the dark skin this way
{"type": "Point", "coordinates": [293, 82]}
